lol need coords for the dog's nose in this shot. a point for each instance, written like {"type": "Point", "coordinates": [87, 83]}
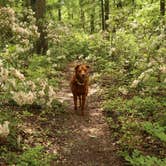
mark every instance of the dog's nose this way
{"type": "Point", "coordinates": [83, 75]}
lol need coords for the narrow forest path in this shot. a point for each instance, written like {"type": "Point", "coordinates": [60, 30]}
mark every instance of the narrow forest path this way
{"type": "Point", "coordinates": [84, 140]}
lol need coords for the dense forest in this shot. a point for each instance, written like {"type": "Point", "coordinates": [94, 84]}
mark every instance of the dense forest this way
{"type": "Point", "coordinates": [123, 42]}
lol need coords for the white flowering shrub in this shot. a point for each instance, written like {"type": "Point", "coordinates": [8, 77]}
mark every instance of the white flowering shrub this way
{"type": "Point", "coordinates": [14, 29]}
{"type": "Point", "coordinates": [15, 86]}
{"type": "Point", "coordinates": [18, 33]}
{"type": "Point", "coordinates": [7, 20]}
{"type": "Point", "coordinates": [4, 130]}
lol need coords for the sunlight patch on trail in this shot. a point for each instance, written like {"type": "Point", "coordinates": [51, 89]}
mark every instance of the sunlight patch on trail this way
{"type": "Point", "coordinates": [93, 89]}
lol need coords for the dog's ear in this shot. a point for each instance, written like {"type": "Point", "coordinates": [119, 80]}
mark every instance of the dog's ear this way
{"type": "Point", "coordinates": [77, 67]}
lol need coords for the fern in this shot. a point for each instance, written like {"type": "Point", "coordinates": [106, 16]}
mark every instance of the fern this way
{"type": "Point", "coordinates": [137, 159]}
{"type": "Point", "coordinates": [155, 130]}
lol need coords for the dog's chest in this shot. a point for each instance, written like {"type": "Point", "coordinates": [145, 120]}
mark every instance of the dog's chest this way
{"type": "Point", "coordinates": [80, 89]}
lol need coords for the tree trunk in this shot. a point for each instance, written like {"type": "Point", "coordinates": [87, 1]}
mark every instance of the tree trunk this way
{"type": "Point", "coordinates": [40, 9]}
{"type": "Point", "coordinates": [82, 18]}
{"type": "Point", "coordinates": [119, 4]}
{"type": "Point", "coordinates": [59, 14]}
{"type": "Point", "coordinates": [92, 22]}
{"type": "Point", "coordinates": [39, 6]}
{"type": "Point", "coordinates": [107, 10]}
{"type": "Point", "coordinates": [82, 14]}
{"type": "Point", "coordinates": [162, 7]}
{"type": "Point", "coordinates": [102, 15]}
{"type": "Point", "coordinates": [59, 11]}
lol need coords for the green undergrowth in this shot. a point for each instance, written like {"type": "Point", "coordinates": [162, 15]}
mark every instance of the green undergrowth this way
{"type": "Point", "coordinates": [25, 143]}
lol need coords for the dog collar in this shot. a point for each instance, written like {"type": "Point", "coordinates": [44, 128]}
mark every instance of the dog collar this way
{"type": "Point", "coordinates": [79, 83]}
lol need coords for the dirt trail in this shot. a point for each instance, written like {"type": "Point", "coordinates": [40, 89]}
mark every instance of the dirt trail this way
{"type": "Point", "coordinates": [84, 141]}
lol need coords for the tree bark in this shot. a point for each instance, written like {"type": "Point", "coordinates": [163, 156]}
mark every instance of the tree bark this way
{"type": "Point", "coordinates": [39, 7]}
{"type": "Point", "coordinates": [92, 22]}
{"type": "Point", "coordinates": [102, 15]}
{"type": "Point", "coordinates": [107, 10]}
{"type": "Point", "coordinates": [119, 4]}
{"type": "Point", "coordinates": [82, 14]}
{"type": "Point", "coordinates": [82, 18]}
{"type": "Point", "coordinates": [59, 11]}
{"type": "Point", "coordinates": [162, 7]}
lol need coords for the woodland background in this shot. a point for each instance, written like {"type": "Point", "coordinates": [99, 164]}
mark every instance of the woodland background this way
{"type": "Point", "coordinates": [123, 40]}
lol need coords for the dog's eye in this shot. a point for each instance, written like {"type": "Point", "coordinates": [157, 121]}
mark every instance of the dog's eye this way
{"type": "Point", "coordinates": [85, 70]}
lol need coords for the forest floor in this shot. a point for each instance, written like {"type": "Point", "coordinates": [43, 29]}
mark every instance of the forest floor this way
{"type": "Point", "coordinates": [85, 140]}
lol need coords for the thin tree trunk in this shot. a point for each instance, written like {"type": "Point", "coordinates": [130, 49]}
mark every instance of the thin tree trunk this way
{"type": "Point", "coordinates": [92, 22]}
{"type": "Point", "coordinates": [162, 7]}
{"type": "Point", "coordinates": [119, 4]}
{"type": "Point", "coordinates": [107, 10]}
{"type": "Point", "coordinates": [82, 17]}
{"type": "Point", "coordinates": [40, 9]}
{"type": "Point", "coordinates": [102, 15]}
{"type": "Point", "coordinates": [59, 14]}
{"type": "Point", "coordinates": [59, 11]}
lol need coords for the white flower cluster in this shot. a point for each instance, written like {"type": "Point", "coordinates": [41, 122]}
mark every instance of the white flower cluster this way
{"type": "Point", "coordinates": [143, 77]}
{"type": "Point", "coordinates": [123, 90]}
{"type": "Point", "coordinates": [4, 130]}
{"type": "Point", "coordinates": [25, 91]}
{"type": "Point", "coordinates": [7, 17]}
{"type": "Point", "coordinates": [162, 69]}
{"type": "Point", "coordinates": [16, 73]}
{"type": "Point", "coordinates": [4, 74]}
{"type": "Point", "coordinates": [22, 32]}
{"type": "Point", "coordinates": [51, 95]}
{"type": "Point", "coordinates": [22, 98]}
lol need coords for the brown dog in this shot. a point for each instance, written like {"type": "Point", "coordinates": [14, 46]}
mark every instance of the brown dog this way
{"type": "Point", "coordinates": [79, 85]}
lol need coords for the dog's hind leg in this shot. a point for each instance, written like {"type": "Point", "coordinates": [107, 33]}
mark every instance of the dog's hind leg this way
{"type": "Point", "coordinates": [83, 104]}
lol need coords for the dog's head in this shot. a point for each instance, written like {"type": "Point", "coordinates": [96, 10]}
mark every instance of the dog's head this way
{"type": "Point", "coordinates": [82, 71]}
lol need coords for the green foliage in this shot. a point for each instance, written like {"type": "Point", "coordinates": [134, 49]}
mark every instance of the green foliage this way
{"type": "Point", "coordinates": [155, 130]}
{"type": "Point", "coordinates": [128, 118]}
{"type": "Point", "coordinates": [9, 115]}
{"type": "Point", "coordinates": [137, 159]}
{"type": "Point", "coordinates": [144, 106]}
{"type": "Point", "coordinates": [31, 156]}
{"type": "Point", "coordinates": [34, 156]}
{"type": "Point", "coordinates": [114, 105]}
{"type": "Point", "coordinates": [42, 67]}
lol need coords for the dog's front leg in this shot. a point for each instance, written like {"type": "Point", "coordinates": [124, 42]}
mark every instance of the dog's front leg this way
{"type": "Point", "coordinates": [80, 101]}
{"type": "Point", "coordinates": [83, 104]}
{"type": "Point", "coordinates": [75, 102]}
